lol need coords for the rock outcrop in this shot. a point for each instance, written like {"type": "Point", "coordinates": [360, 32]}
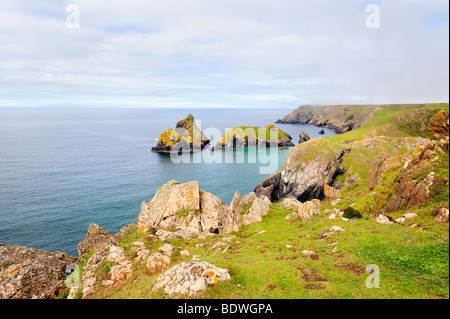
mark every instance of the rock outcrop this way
{"type": "Point", "coordinates": [383, 163]}
{"type": "Point", "coordinates": [303, 137]}
{"type": "Point", "coordinates": [308, 168]}
{"type": "Point", "coordinates": [27, 273]}
{"type": "Point", "coordinates": [254, 137]}
{"type": "Point", "coordinates": [439, 125]}
{"type": "Point", "coordinates": [190, 278]}
{"type": "Point", "coordinates": [186, 137]}
{"type": "Point", "coordinates": [182, 210]}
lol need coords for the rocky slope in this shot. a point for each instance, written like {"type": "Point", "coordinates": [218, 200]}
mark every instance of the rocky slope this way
{"type": "Point", "coordinates": [251, 137]}
{"type": "Point", "coordinates": [340, 118]}
{"type": "Point", "coordinates": [186, 137]}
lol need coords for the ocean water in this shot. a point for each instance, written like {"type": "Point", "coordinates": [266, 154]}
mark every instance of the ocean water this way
{"type": "Point", "coordinates": [63, 169]}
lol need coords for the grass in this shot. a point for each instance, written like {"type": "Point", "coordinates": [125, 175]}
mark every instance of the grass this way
{"type": "Point", "coordinates": [413, 263]}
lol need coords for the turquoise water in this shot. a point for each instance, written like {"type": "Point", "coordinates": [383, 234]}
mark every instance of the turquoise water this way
{"type": "Point", "coordinates": [61, 170]}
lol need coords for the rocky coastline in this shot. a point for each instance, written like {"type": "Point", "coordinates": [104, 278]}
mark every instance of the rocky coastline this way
{"type": "Point", "coordinates": [315, 175]}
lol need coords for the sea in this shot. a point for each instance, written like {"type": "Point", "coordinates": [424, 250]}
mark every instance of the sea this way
{"type": "Point", "coordinates": [62, 169]}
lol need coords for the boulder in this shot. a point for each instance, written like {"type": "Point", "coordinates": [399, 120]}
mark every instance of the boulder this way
{"type": "Point", "coordinates": [190, 278]}
{"type": "Point", "coordinates": [157, 262]}
{"type": "Point", "coordinates": [331, 193]}
{"type": "Point", "coordinates": [442, 216]}
{"type": "Point", "coordinates": [259, 208]}
{"type": "Point", "coordinates": [28, 273]}
{"type": "Point", "coordinates": [382, 219]}
{"type": "Point", "coordinates": [303, 137]}
{"type": "Point", "coordinates": [419, 194]}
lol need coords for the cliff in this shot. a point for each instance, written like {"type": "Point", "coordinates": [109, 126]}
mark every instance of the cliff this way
{"type": "Point", "coordinates": [186, 137]}
{"type": "Point", "coordinates": [340, 118]}
{"type": "Point", "coordinates": [251, 137]}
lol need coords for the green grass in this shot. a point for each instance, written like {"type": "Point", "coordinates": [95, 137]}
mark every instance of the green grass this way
{"type": "Point", "coordinates": [413, 263]}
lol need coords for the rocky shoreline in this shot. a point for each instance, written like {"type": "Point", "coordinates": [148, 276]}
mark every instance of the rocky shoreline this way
{"type": "Point", "coordinates": [314, 173]}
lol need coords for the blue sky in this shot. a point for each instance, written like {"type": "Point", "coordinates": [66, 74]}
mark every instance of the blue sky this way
{"type": "Point", "coordinates": [222, 53]}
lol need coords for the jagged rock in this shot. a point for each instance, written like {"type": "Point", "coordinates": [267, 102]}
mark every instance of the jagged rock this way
{"type": "Point", "coordinates": [383, 163]}
{"type": "Point", "coordinates": [269, 187]}
{"type": "Point", "coordinates": [28, 273]}
{"type": "Point", "coordinates": [216, 216]}
{"type": "Point", "coordinates": [260, 208]}
{"type": "Point", "coordinates": [190, 278]}
{"type": "Point", "coordinates": [304, 137]}
{"type": "Point", "coordinates": [419, 194]}
{"type": "Point", "coordinates": [186, 137]}
{"type": "Point", "coordinates": [331, 193]}
{"type": "Point", "coordinates": [189, 211]}
{"type": "Point", "coordinates": [439, 124]}
{"type": "Point", "coordinates": [442, 216]}
{"type": "Point", "coordinates": [96, 237]}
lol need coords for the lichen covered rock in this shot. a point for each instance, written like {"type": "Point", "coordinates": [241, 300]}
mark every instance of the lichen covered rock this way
{"type": "Point", "coordinates": [190, 278]}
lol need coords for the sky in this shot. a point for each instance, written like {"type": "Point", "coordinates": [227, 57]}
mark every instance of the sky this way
{"type": "Point", "coordinates": [222, 53]}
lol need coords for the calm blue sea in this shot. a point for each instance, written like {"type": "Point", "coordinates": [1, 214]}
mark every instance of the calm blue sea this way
{"type": "Point", "coordinates": [63, 169]}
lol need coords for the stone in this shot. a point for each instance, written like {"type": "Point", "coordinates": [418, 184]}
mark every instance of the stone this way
{"type": "Point", "coordinates": [260, 208]}
{"type": "Point", "coordinates": [382, 219]}
{"type": "Point", "coordinates": [28, 273]}
{"type": "Point", "coordinates": [190, 278]}
{"type": "Point", "coordinates": [331, 193]}
{"type": "Point", "coordinates": [442, 216]}
{"type": "Point", "coordinates": [419, 194]}
{"type": "Point", "coordinates": [166, 249]}
{"type": "Point", "coordinates": [336, 228]}
{"type": "Point", "coordinates": [157, 262]}
{"type": "Point", "coordinates": [308, 252]}
{"type": "Point", "coordinates": [185, 253]}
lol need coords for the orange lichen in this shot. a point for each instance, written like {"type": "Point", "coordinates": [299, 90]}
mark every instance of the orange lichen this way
{"type": "Point", "coordinates": [13, 271]}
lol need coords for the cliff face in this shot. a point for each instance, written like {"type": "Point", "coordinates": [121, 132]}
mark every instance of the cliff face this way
{"type": "Point", "coordinates": [249, 136]}
{"type": "Point", "coordinates": [339, 162]}
{"type": "Point", "coordinates": [186, 137]}
{"type": "Point", "coordinates": [339, 118]}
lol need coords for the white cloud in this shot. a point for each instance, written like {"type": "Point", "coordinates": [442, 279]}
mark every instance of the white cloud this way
{"type": "Point", "coordinates": [222, 53]}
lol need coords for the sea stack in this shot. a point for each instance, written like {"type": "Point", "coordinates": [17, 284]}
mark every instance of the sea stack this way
{"type": "Point", "coordinates": [186, 137]}
{"type": "Point", "coordinates": [304, 137]}
{"type": "Point", "coordinates": [254, 137]}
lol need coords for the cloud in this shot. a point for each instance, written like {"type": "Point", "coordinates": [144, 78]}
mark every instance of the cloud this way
{"type": "Point", "coordinates": [222, 53]}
